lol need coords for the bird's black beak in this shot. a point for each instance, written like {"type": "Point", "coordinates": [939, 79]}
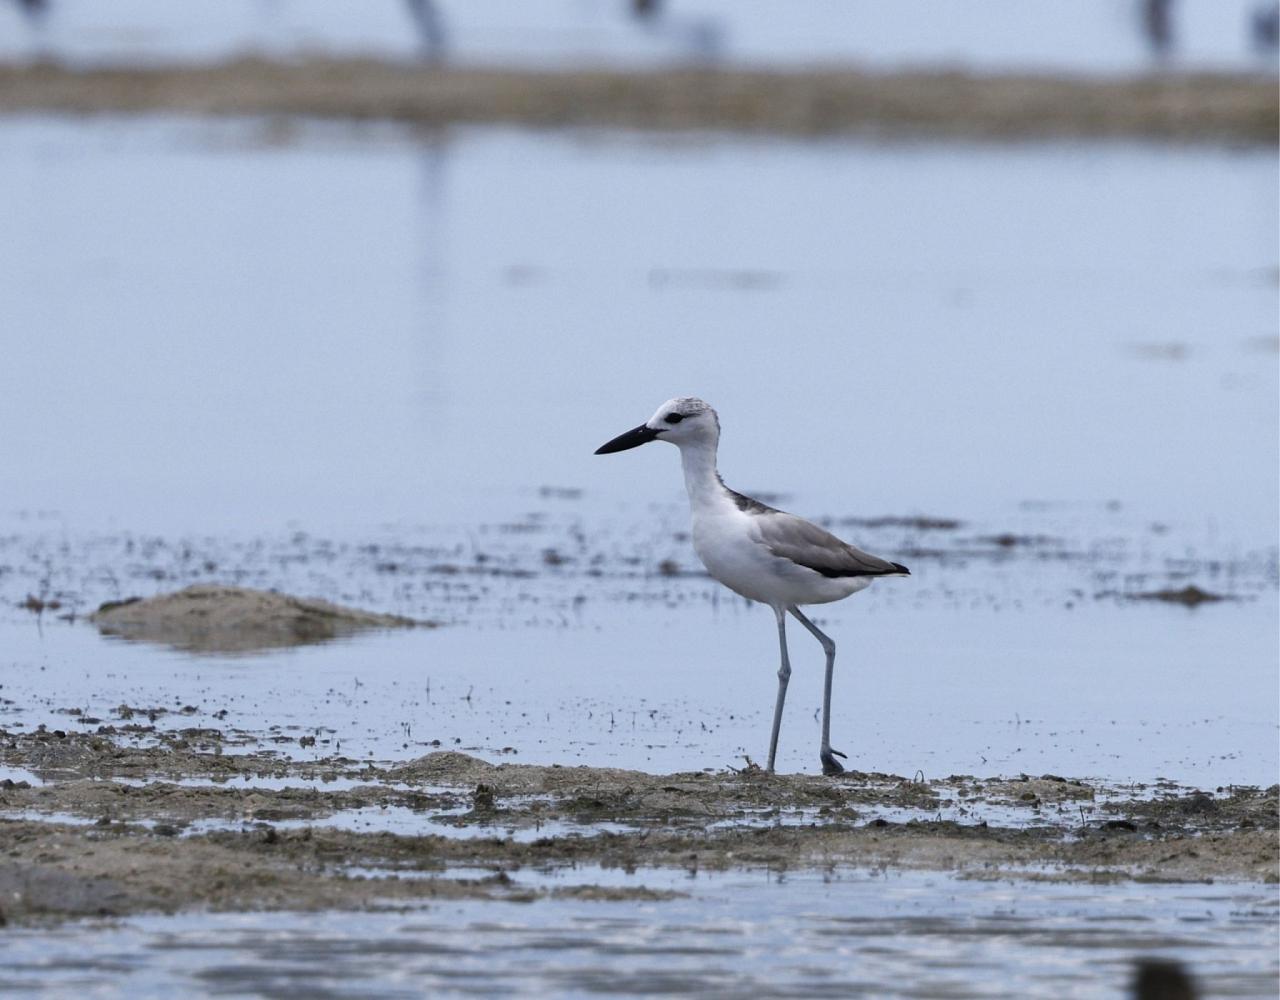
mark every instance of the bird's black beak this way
{"type": "Point", "coordinates": [632, 439]}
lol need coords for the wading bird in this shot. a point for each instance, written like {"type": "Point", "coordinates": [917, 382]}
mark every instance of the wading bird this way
{"type": "Point", "coordinates": [765, 555]}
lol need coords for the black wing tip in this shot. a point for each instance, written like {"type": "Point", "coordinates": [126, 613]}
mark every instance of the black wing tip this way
{"type": "Point", "coordinates": [836, 574]}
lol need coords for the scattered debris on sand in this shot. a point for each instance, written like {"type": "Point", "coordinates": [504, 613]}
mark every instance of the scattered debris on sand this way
{"type": "Point", "coordinates": [208, 618]}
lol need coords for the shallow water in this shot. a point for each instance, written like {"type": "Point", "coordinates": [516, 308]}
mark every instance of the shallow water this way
{"type": "Point", "coordinates": [372, 366]}
{"type": "Point", "coordinates": [1081, 36]}
{"type": "Point", "coordinates": [989, 660]}
{"type": "Point", "coordinates": [245, 326]}
{"type": "Point", "coordinates": [1080, 705]}
{"type": "Point", "coordinates": [839, 934]}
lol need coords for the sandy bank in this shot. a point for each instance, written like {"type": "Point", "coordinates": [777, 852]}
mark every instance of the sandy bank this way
{"type": "Point", "coordinates": [208, 618]}
{"type": "Point", "coordinates": [1195, 108]}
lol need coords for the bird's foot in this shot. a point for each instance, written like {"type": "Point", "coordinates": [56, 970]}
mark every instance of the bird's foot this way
{"type": "Point", "coordinates": [830, 765]}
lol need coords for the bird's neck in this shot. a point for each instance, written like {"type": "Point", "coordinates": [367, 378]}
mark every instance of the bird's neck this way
{"type": "Point", "coordinates": [700, 476]}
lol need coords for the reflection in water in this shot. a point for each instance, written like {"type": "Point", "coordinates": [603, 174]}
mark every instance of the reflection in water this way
{"type": "Point", "coordinates": [430, 27]}
{"type": "Point", "coordinates": [1158, 26]}
{"type": "Point", "coordinates": [34, 11]}
{"type": "Point", "coordinates": [1156, 18]}
{"type": "Point", "coordinates": [997, 35]}
{"type": "Point", "coordinates": [1264, 28]}
{"type": "Point", "coordinates": [700, 38]}
{"type": "Point", "coordinates": [36, 15]}
{"type": "Point", "coordinates": [432, 343]}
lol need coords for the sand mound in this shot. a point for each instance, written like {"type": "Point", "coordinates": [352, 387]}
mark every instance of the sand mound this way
{"type": "Point", "coordinates": [207, 618]}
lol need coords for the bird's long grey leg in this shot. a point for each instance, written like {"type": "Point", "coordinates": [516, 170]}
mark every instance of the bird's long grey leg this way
{"type": "Point", "coordinates": [784, 675]}
{"type": "Point", "coordinates": [829, 763]}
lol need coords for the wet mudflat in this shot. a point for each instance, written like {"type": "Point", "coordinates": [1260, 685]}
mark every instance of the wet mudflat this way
{"type": "Point", "coordinates": [449, 809]}
{"type": "Point", "coordinates": [478, 877]}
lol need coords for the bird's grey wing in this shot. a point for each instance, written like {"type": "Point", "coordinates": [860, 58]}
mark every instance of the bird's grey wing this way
{"type": "Point", "coordinates": [805, 544]}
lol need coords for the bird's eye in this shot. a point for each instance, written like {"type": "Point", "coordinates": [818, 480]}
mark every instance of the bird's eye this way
{"type": "Point", "coordinates": [674, 418]}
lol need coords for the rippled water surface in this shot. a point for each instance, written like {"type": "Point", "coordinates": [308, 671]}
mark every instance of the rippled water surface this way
{"type": "Point", "coordinates": [842, 934]}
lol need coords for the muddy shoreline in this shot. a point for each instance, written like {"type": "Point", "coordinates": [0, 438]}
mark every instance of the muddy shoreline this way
{"type": "Point", "coordinates": [1216, 108]}
{"type": "Point", "coordinates": [102, 828]}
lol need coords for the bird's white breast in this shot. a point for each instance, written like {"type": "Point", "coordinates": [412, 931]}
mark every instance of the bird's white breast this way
{"type": "Point", "coordinates": [728, 542]}
{"type": "Point", "coordinates": [722, 539]}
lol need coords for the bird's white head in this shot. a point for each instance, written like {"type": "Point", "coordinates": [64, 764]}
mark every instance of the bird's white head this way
{"type": "Point", "coordinates": [684, 422]}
